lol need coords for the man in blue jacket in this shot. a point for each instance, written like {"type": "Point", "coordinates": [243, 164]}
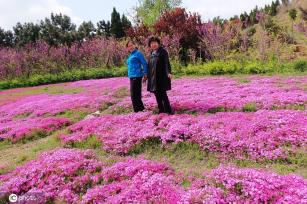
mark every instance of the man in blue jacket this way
{"type": "Point", "coordinates": [137, 70]}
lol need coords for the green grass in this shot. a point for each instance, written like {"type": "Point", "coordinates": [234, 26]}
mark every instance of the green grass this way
{"type": "Point", "coordinates": [236, 67]}
{"type": "Point", "coordinates": [185, 156]}
{"type": "Point", "coordinates": [121, 93]}
{"type": "Point", "coordinates": [91, 142]}
{"type": "Point", "coordinates": [118, 110]}
{"type": "Point", "coordinates": [73, 115]}
{"type": "Point", "coordinates": [250, 107]}
{"type": "Point", "coordinates": [13, 155]}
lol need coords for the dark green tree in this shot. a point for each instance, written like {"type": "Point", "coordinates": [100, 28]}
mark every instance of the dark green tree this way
{"type": "Point", "coordinates": [245, 19]}
{"type": "Point", "coordinates": [274, 7]}
{"type": "Point", "coordinates": [58, 30]}
{"type": "Point", "coordinates": [253, 15]}
{"type": "Point", "coordinates": [218, 21]}
{"type": "Point", "coordinates": [116, 24]}
{"type": "Point", "coordinates": [126, 24]}
{"type": "Point", "coordinates": [104, 28]}
{"type": "Point", "coordinates": [86, 30]}
{"type": "Point", "coordinates": [6, 38]}
{"type": "Point", "coordinates": [26, 33]}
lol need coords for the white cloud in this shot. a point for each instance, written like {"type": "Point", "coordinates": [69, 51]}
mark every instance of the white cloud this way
{"type": "Point", "coordinates": [223, 8]}
{"type": "Point", "coordinates": [14, 11]}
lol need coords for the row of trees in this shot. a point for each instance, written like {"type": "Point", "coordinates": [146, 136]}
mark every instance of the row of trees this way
{"type": "Point", "coordinates": [60, 30]}
{"type": "Point", "coordinates": [250, 19]}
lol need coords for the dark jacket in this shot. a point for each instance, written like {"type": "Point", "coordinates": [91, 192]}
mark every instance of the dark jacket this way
{"type": "Point", "coordinates": [158, 69]}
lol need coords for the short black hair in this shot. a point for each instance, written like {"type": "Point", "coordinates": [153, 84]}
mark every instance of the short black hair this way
{"type": "Point", "coordinates": [154, 39]}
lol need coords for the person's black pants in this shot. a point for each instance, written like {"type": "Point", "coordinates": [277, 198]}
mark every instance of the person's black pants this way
{"type": "Point", "coordinates": [163, 102]}
{"type": "Point", "coordinates": [136, 93]}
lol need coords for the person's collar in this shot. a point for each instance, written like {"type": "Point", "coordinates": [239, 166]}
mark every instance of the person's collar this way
{"type": "Point", "coordinates": [134, 50]}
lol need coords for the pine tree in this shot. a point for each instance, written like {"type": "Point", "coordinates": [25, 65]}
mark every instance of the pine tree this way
{"type": "Point", "coordinates": [126, 24]}
{"type": "Point", "coordinates": [26, 33]}
{"type": "Point", "coordinates": [58, 30]}
{"type": "Point", "coordinates": [6, 38]}
{"type": "Point", "coordinates": [116, 24]}
{"type": "Point", "coordinates": [86, 30]}
{"type": "Point", "coordinates": [104, 28]}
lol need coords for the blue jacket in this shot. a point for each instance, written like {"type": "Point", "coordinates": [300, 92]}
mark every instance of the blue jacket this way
{"type": "Point", "coordinates": [137, 65]}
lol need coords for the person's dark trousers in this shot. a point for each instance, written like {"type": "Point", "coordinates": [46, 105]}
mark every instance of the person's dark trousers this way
{"type": "Point", "coordinates": [163, 102]}
{"type": "Point", "coordinates": [136, 93]}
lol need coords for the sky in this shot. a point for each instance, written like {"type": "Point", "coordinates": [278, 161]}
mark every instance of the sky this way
{"type": "Point", "coordinates": [13, 11]}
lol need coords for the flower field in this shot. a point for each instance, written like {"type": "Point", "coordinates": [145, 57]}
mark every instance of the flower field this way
{"type": "Point", "coordinates": [256, 120]}
{"type": "Point", "coordinates": [75, 176]}
{"type": "Point", "coordinates": [209, 94]}
{"type": "Point", "coordinates": [264, 134]}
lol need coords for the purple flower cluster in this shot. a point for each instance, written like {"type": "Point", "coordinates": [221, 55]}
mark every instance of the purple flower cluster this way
{"type": "Point", "coordinates": [76, 176]}
{"type": "Point", "coordinates": [259, 135]}
{"type": "Point", "coordinates": [62, 173]}
{"type": "Point", "coordinates": [41, 58]}
{"type": "Point", "coordinates": [66, 174]}
{"type": "Point", "coordinates": [18, 129]}
{"type": "Point", "coordinates": [20, 117]}
{"type": "Point", "coordinates": [205, 94]}
{"type": "Point", "coordinates": [232, 185]}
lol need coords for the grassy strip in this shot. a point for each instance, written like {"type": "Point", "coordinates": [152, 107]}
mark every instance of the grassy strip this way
{"type": "Point", "coordinates": [185, 156]}
{"type": "Point", "coordinates": [230, 67]}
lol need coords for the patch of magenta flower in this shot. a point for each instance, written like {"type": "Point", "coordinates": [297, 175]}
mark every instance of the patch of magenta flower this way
{"type": "Point", "coordinates": [76, 176]}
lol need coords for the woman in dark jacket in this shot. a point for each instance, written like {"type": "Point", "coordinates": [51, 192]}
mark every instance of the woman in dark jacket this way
{"type": "Point", "coordinates": [159, 74]}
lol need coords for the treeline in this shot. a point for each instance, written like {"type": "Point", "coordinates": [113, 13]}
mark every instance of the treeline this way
{"type": "Point", "coordinates": [60, 30]}
{"type": "Point", "coordinates": [250, 19]}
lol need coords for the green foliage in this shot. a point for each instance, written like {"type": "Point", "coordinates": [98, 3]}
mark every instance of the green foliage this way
{"type": "Point", "coordinates": [104, 28]}
{"type": "Point", "coordinates": [149, 11]}
{"type": "Point", "coordinates": [91, 142]}
{"type": "Point", "coordinates": [58, 30]}
{"type": "Point", "coordinates": [250, 107]}
{"type": "Point", "coordinates": [116, 24]}
{"type": "Point", "coordinates": [300, 65]}
{"type": "Point", "coordinates": [144, 145]}
{"type": "Point", "coordinates": [6, 38]}
{"type": "Point", "coordinates": [245, 67]}
{"type": "Point", "coordinates": [125, 23]}
{"type": "Point", "coordinates": [293, 14]}
{"type": "Point", "coordinates": [27, 33]}
{"type": "Point", "coordinates": [86, 30]}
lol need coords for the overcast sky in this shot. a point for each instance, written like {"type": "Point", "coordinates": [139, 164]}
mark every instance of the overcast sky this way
{"type": "Point", "coordinates": [13, 11]}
